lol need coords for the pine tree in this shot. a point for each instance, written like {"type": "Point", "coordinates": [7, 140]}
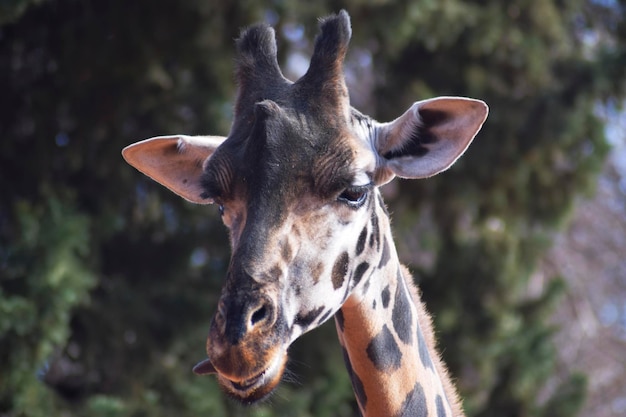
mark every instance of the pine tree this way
{"type": "Point", "coordinates": [108, 282]}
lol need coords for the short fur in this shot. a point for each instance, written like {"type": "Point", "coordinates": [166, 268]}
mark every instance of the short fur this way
{"type": "Point", "coordinates": [296, 182]}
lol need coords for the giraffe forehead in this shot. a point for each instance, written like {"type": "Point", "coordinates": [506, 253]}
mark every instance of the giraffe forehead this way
{"type": "Point", "coordinates": [288, 163]}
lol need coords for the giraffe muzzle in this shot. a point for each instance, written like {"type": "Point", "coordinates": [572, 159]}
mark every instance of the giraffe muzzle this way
{"type": "Point", "coordinates": [246, 347]}
{"type": "Point", "coordinates": [252, 389]}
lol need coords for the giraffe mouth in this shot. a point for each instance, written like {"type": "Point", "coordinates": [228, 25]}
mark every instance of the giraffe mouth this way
{"type": "Point", "coordinates": [252, 389]}
{"type": "Point", "coordinates": [250, 383]}
{"type": "Point", "coordinates": [257, 387]}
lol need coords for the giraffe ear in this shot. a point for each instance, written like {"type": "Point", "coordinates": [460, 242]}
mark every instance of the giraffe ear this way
{"type": "Point", "coordinates": [175, 162]}
{"type": "Point", "coordinates": [428, 138]}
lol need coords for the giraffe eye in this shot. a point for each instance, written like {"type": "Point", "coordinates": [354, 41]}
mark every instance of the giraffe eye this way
{"type": "Point", "coordinates": [354, 197]}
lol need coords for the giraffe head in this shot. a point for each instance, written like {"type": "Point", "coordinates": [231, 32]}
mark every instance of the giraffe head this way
{"type": "Point", "coordinates": [296, 182]}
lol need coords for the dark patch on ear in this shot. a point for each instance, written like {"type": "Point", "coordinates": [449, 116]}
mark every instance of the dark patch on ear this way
{"type": "Point", "coordinates": [414, 404]}
{"type": "Point", "coordinates": [358, 273]}
{"type": "Point", "coordinates": [423, 349]}
{"type": "Point", "coordinates": [305, 320]}
{"type": "Point", "coordinates": [384, 352]}
{"type": "Point", "coordinates": [412, 147]}
{"type": "Point", "coordinates": [357, 384]}
{"type": "Point", "coordinates": [339, 319]}
{"type": "Point", "coordinates": [386, 296]}
{"type": "Point", "coordinates": [421, 135]}
{"type": "Point", "coordinates": [401, 316]}
{"type": "Point", "coordinates": [360, 245]}
{"type": "Point", "coordinates": [340, 269]}
{"type": "Point", "coordinates": [430, 118]}
{"type": "Point", "coordinates": [441, 411]}
{"type": "Point", "coordinates": [384, 258]}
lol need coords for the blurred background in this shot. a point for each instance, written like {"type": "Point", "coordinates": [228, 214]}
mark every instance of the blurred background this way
{"type": "Point", "coordinates": [108, 281]}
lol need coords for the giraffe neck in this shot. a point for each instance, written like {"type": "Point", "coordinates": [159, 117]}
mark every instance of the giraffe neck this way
{"type": "Point", "coordinates": [388, 345]}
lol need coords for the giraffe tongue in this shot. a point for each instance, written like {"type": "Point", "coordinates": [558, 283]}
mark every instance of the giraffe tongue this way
{"type": "Point", "coordinates": [204, 367]}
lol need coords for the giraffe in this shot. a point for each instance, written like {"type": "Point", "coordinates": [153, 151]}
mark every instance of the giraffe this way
{"type": "Point", "coordinates": [296, 183]}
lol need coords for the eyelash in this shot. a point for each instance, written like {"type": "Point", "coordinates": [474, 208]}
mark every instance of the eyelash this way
{"type": "Point", "coordinates": [354, 196]}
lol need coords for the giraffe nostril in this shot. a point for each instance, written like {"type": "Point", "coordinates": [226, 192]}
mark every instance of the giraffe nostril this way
{"type": "Point", "coordinates": [259, 315]}
{"type": "Point", "coordinates": [243, 318]}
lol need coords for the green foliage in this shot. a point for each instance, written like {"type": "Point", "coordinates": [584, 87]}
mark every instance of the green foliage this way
{"type": "Point", "coordinates": [567, 400]}
{"type": "Point", "coordinates": [10, 10]}
{"type": "Point", "coordinates": [108, 282]}
{"type": "Point", "coordinates": [494, 213]}
{"type": "Point", "coordinates": [44, 278]}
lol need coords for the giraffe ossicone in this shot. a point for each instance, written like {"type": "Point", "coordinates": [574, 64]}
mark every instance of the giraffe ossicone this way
{"type": "Point", "coordinates": [296, 181]}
